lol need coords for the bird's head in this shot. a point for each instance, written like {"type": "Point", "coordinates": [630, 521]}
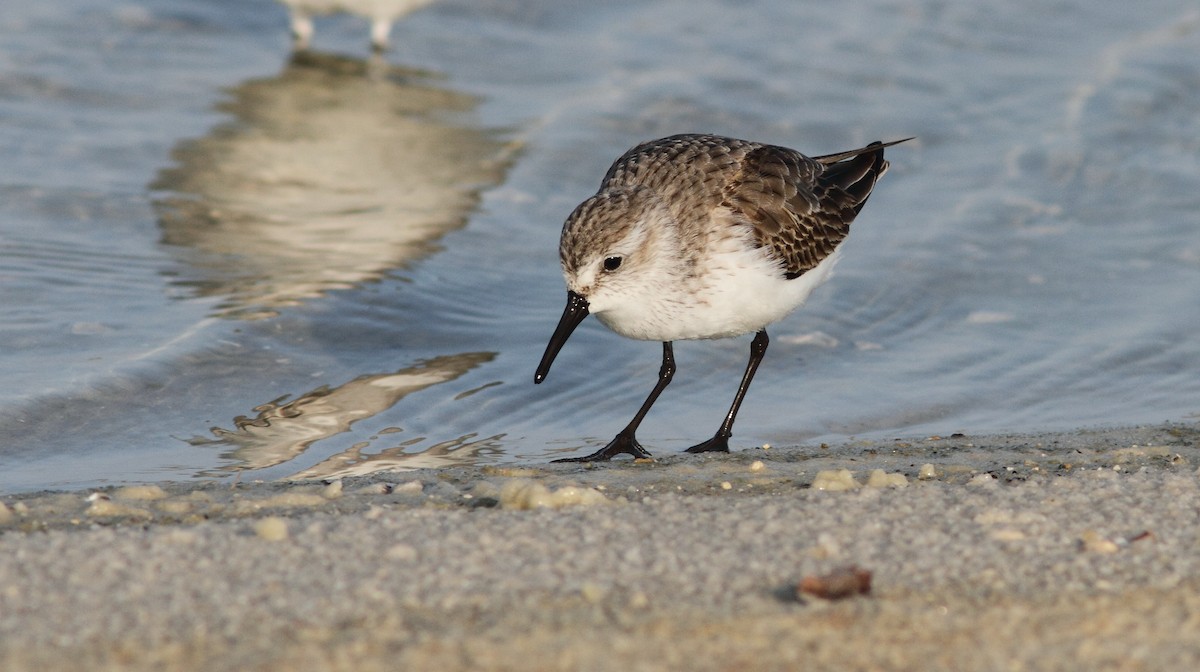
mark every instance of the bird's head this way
{"type": "Point", "coordinates": [611, 255]}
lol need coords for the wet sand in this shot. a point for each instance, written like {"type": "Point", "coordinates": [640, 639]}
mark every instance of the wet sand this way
{"type": "Point", "coordinates": [1073, 551]}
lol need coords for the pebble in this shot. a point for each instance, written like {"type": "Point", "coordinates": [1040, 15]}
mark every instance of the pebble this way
{"type": "Point", "coordinates": [140, 492]}
{"type": "Point", "coordinates": [271, 528]}
{"type": "Point", "coordinates": [522, 494]}
{"type": "Point", "coordinates": [333, 490]}
{"type": "Point", "coordinates": [402, 552]}
{"type": "Point", "coordinates": [1093, 542]}
{"type": "Point", "coordinates": [592, 592]}
{"type": "Point", "coordinates": [838, 584]}
{"type": "Point", "coordinates": [982, 479]}
{"type": "Point", "coordinates": [175, 506]}
{"type": "Point", "coordinates": [881, 479]}
{"type": "Point", "coordinates": [409, 488]}
{"type": "Point", "coordinates": [835, 480]}
{"type": "Point", "coordinates": [283, 500]}
{"type": "Point", "coordinates": [375, 489]}
{"type": "Point", "coordinates": [106, 508]}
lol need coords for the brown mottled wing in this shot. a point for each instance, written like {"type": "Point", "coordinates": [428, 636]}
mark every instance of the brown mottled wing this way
{"type": "Point", "coordinates": [799, 207]}
{"type": "Point", "coordinates": [794, 214]}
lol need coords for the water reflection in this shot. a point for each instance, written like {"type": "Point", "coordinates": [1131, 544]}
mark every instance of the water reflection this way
{"type": "Point", "coordinates": [455, 452]}
{"type": "Point", "coordinates": [332, 173]}
{"type": "Point", "coordinates": [283, 430]}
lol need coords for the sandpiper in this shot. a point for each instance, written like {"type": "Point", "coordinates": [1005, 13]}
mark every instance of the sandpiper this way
{"type": "Point", "coordinates": [382, 14]}
{"type": "Point", "coordinates": [703, 236]}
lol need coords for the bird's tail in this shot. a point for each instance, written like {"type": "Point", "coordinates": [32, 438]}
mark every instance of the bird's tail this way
{"type": "Point", "coordinates": [856, 171]}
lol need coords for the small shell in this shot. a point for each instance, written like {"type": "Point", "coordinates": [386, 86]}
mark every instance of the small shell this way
{"type": "Point", "coordinates": [838, 584]}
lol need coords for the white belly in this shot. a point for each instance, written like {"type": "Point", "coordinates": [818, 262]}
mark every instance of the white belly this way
{"type": "Point", "coordinates": [739, 294]}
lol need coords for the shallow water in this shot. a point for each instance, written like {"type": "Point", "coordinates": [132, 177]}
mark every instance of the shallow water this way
{"type": "Point", "coordinates": [216, 259]}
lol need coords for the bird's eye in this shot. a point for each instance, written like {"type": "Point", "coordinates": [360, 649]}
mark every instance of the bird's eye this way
{"type": "Point", "coordinates": [612, 263]}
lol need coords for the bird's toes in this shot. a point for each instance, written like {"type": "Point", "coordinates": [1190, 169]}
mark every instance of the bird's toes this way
{"type": "Point", "coordinates": [622, 444]}
{"type": "Point", "coordinates": [717, 444]}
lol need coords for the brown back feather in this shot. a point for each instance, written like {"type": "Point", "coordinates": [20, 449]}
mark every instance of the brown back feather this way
{"type": "Point", "coordinates": [800, 207]}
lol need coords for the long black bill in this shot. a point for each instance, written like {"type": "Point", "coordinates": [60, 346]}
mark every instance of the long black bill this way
{"type": "Point", "coordinates": [577, 309]}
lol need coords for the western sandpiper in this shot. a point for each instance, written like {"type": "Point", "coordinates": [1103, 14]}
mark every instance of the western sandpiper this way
{"type": "Point", "coordinates": [702, 236]}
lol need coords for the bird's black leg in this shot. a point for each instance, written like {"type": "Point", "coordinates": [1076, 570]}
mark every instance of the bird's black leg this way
{"type": "Point", "coordinates": [625, 441]}
{"type": "Point", "coordinates": [720, 441]}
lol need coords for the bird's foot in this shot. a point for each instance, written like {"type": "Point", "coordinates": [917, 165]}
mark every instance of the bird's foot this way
{"type": "Point", "coordinates": [623, 443]}
{"type": "Point", "coordinates": [717, 444]}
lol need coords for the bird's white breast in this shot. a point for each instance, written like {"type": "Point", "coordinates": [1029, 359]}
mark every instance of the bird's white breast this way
{"type": "Point", "coordinates": [740, 291]}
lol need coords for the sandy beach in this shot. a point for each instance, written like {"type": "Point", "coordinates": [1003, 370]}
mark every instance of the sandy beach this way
{"type": "Point", "coordinates": [1058, 551]}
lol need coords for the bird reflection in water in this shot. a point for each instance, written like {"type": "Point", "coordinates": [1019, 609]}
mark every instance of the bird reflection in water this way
{"type": "Point", "coordinates": [333, 173]}
{"type": "Point", "coordinates": [282, 431]}
{"type": "Point", "coordinates": [330, 175]}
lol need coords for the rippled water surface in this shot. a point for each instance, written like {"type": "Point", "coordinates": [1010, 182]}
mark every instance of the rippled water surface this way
{"type": "Point", "coordinates": [217, 258]}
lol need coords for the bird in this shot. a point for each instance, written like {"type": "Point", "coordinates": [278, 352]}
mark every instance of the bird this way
{"type": "Point", "coordinates": [698, 236]}
{"type": "Point", "coordinates": [382, 14]}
